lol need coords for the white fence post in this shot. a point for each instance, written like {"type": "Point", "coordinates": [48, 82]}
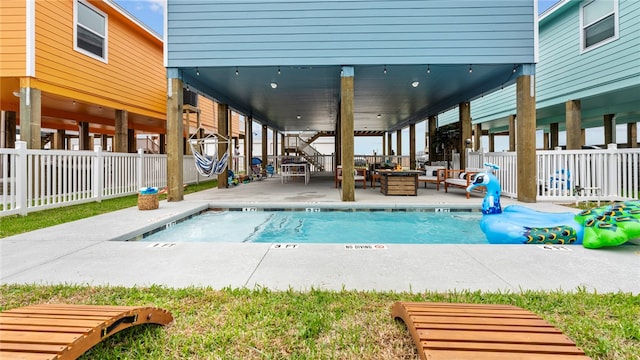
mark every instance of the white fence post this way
{"type": "Point", "coordinates": [613, 162]}
{"type": "Point", "coordinates": [140, 168]}
{"type": "Point", "coordinates": [21, 181]}
{"type": "Point", "coordinates": [98, 171]}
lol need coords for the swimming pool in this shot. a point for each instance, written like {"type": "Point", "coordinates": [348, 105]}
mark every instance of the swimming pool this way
{"type": "Point", "coordinates": [336, 226]}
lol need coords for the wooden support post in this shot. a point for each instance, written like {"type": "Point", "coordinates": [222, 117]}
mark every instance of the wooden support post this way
{"type": "Point", "coordinates": [346, 133]}
{"type": "Point", "coordinates": [265, 152]}
{"type": "Point", "coordinates": [609, 122]}
{"type": "Point", "coordinates": [84, 142]}
{"type": "Point", "coordinates": [175, 145]}
{"type": "Point", "coordinates": [248, 145]}
{"type": "Point", "coordinates": [223, 132]}
{"type": "Point", "coordinates": [131, 141]}
{"type": "Point", "coordinates": [30, 115]}
{"type": "Point", "coordinates": [162, 140]}
{"type": "Point", "coordinates": [187, 128]}
{"type": "Point", "coordinates": [121, 125]}
{"type": "Point", "coordinates": [104, 142]}
{"type": "Point", "coordinates": [465, 131]}
{"type": "Point", "coordinates": [554, 132]}
{"type": "Point", "coordinates": [512, 133]}
{"type": "Point", "coordinates": [573, 124]}
{"type": "Point", "coordinates": [10, 129]}
{"type": "Point", "coordinates": [433, 126]}
{"type": "Point", "coordinates": [526, 135]}
{"type": "Point", "coordinates": [492, 142]}
{"type": "Point", "coordinates": [412, 146]}
{"type": "Point", "coordinates": [275, 143]}
{"type": "Point", "coordinates": [389, 144]}
{"type": "Point", "coordinates": [477, 136]}
{"type": "Point", "coordinates": [632, 135]}
{"type": "Point", "coordinates": [58, 140]}
{"type": "Point", "coordinates": [338, 140]}
{"type": "Point", "coordinates": [399, 142]}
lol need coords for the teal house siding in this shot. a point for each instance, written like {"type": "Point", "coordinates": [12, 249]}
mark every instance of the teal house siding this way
{"type": "Point", "coordinates": [606, 79]}
{"type": "Point", "coordinates": [565, 72]}
{"type": "Point", "coordinates": [356, 32]}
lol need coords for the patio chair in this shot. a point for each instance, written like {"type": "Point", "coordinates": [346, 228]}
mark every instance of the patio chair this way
{"type": "Point", "coordinates": [58, 331]}
{"type": "Point", "coordinates": [358, 175]}
{"type": "Point", "coordinates": [482, 331]}
{"type": "Point", "coordinates": [461, 178]}
{"type": "Point", "coordinates": [432, 175]}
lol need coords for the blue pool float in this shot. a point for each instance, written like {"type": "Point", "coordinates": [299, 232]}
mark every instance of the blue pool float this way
{"type": "Point", "coordinates": [608, 225]}
{"type": "Point", "coordinates": [518, 224]}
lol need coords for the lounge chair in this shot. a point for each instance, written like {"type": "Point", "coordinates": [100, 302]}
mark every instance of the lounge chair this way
{"type": "Point", "coordinates": [55, 331]}
{"type": "Point", "coordinates": [433, 175]}
{"type": "Point", "coordinates": [460, 178]}
{"type": "Point", "coordinates": [358, 175]}
{"type": "Point", "coordinates": [477, 331]}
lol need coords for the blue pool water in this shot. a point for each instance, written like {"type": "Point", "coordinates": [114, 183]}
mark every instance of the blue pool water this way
{"type": "Point", "coordinates": [366, 227]}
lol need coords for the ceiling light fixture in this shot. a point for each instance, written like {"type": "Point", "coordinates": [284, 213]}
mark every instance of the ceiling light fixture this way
{"type": "Point", "coordinates": [415, 84]}
{"type": "Point", "coordinates": [379, 116]}
{"type": "Point", "coordinates": [274, 85]}
{"type": "Point", "coordinates": [428, 69]}
{"type": "Point", "coordinates": [278, 70]}
{"type": "Point", "coordinates": [385, 70]}
{"type": "Point", "coordinates": [298, 116]}
{"type": "Point", "coordinates": [197, 72]}
{"type": "Point", "coordinates": [514, 68]}
{"type": "Point", "coordinates": [237, 73]}
{"type": "Point", "coordinates": [470, 69]}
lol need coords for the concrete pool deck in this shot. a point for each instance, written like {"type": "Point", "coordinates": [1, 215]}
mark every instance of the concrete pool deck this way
{"type": "Point", "coordinates": [83, 252]}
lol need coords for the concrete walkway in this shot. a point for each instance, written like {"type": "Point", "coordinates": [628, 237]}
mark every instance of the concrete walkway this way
{"type": "Point", "coordinates": [83, 252]}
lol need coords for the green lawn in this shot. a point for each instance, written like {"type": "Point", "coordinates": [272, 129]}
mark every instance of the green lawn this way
{"type": "Point", "coordinates": [16, 224]}
{"type": "Point", "coordinates": [318, 324]}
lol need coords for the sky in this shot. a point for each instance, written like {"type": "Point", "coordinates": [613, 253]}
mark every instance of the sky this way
{"type": "Point", "coordinates": [151, 13]}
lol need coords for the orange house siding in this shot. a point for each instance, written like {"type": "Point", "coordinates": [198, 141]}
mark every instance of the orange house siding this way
{"type": "Point", "coordinates": [13, 28]}
{"type": "Point", "coordinates": [137, 85]}
{"type": "Point", "coordinates": [208, 116]}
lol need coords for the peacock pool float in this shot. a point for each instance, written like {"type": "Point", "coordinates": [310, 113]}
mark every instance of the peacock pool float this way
{"type": "Point", "coordinates": [609, 225]}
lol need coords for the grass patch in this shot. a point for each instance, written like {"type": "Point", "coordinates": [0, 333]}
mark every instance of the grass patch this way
{"type": "Point", "coordinates": [16, 224]}
{"type": "Point", "coordinates": [318, 324]}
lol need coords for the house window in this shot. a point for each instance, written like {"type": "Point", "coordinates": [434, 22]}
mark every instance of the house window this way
{"type": "Point", "coordinates": [90, 31]}
{"type": "Point", "coordinates": [599, 22]}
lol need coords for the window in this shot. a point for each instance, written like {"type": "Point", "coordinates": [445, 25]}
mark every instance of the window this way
{"type": "Point", "coordinates": [599, 23]}
{"type": "Point", "coordinates": [90, 31]}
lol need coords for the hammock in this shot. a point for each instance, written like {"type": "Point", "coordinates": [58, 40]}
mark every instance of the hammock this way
{"type": "Point", "coordinates": [205, 164]}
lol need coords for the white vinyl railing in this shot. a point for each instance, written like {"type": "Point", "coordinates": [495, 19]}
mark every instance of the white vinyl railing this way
{"type": "Point", "coordinates": [579, 175]}
{"type": "Point", "coordinates": [32, 180]}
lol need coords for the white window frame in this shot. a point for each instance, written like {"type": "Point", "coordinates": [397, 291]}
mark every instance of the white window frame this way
{"type": "Point", "coordinates": [616, 24]}
{"type": "Point", "coordinates": [105, 58]}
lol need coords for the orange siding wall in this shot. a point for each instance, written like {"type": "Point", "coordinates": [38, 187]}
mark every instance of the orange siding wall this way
{"type": "Point", "coordinates": [235, 121]}
{"type": "Point", "coordinates": [13, 38]}
{"type": "Point", "coordinates": [208, 116]}
{"type": "Point", "coordinates": [134, 74]}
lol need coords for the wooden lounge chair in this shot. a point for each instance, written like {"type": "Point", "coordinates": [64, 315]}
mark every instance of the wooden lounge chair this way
{"type": "Point", "coordinates": [433, 175]}
{"type": "Point", "coordinates": [359, 174]}
{"type": "Point", "coordinates": [473, 331]}
{"type": "Point", "coordinates": [461, 178]}
{"type": "Point", "coordinates": [53, 331]}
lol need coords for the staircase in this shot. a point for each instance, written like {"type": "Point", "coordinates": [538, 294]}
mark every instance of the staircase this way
{"type": "Point", "coordinates": [303, 148]}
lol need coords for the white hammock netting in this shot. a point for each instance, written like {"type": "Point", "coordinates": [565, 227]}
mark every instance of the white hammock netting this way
{"type": "Point", "coordinates": [208, 165]}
